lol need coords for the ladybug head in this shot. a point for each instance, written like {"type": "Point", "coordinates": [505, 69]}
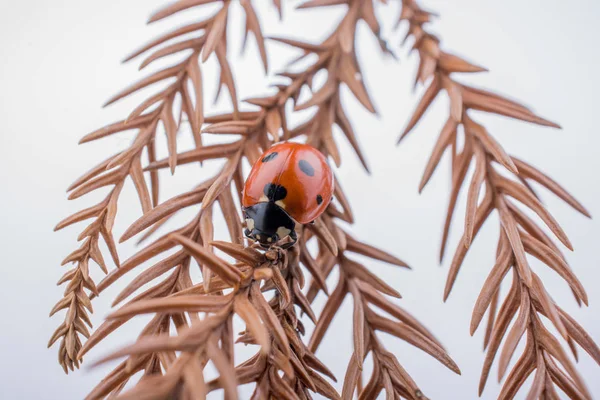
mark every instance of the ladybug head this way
{"type": "Point", "coordinates": [267, 223]}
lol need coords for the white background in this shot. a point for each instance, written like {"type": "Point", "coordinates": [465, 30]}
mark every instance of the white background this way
{"type": "Point", "coordinates": [60, 62]}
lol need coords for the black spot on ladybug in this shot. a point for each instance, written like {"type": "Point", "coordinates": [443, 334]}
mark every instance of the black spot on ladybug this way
{"type": "Point", "coordinates": [269, 157]}
{"type": "Point", "coordinates": [275, 192]}
{"type": "Point", "coordinates": [319, 199]}
{"type": "Point", "coordinates": [306, 168]}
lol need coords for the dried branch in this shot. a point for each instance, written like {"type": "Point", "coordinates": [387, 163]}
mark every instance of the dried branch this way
{"type": "Point", "coordinates": [368, 291]}
{"type": "Point", "coordinates": [182, 80]}
{"type": "Point", "coordinates": [172, 361]}
{"type": "Point", "coordinates": [500, 182]}
{"type": "Point", "coordinates": [336, 56]}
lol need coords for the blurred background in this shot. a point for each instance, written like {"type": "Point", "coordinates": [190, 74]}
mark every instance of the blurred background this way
{"type": "Point", "coordinates": [60, 62]}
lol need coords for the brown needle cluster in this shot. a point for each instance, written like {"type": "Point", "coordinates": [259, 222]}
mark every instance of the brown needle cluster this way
{"type": "Point", "coordinates": [193, 322]}
{"type": "Point", "coordinates": [501, 182]}
{"type": "Point", "coordinates": [272, 324]}
{"type": "Point", "coordinates": [183, 82]}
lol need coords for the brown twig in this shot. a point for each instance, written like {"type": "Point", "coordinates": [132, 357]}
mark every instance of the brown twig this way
{"type": "Point", "coordinates": [336, 56]}
{"type": "Point", "coordinates": [368, 291]}
{"type": "Point", "coordinates": [172, 362]}
{"type": "Point", "coordinates": [186, 83]}
{"type": "Point", "coordinates": [520, 236]}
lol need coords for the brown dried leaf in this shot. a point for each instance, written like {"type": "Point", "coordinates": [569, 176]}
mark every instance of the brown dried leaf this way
{"type": "Point", "coordinates": [527, 171]}
{"type": "Point", "coordinates": [415, 338]}
{"type": "Point", "coordinates": [329, 310]}
{"type": "Point", "coordinates": [190, 303]}
{"type": "Point", "coordinates": [361, 273]}
{"type": "Point", "coordinates": [514, 336]}
{"type": "Point", "coordinates": [269, 318]}
{"type": "Point", "coordinates": [444, 140]}
{"type": "Point", "coordinates": [505, 315]}
{"type": "Point", "coordinates": [519, 193]}
{"type": "Point", "coordinates": [428, 97]}
{"type": "Point", "coordinates": [248, 313]}
{"type": "Point", "coordinates": [163, 210]}
{"type": "Point", "coordinates": [154, 78]}
{"type": "Point", "coordinates": [351, 378]}
{"type": "Point", "coordinates": [491, 286]}
{"type": "Point", "coordinates": [247, 255]}
{"type": "Point", "coordinates": [225, 271]}
{"type": "Point", "coordinates": [369, 251]}
{"type": "Point", "coordinates": [215, 32]}
{"type": "Point", "coordinates": [482, 214]}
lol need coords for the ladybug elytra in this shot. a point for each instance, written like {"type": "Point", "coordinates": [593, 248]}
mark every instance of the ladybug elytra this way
{"type": "Point", "coordinates": [291, 182]}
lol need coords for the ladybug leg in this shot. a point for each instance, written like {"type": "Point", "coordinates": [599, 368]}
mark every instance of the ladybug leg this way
{"type": "Point", "coordinates": [294, 238]}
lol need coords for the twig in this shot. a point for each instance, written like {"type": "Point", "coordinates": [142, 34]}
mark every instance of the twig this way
{"type": "Point", "coordinates": [146, 118]}
{"type": "Point", "coordinates": [520, 236]}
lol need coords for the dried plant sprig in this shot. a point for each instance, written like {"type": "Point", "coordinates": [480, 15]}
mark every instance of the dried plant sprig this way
{"type": "Point", "coordinates": [272, 324]}
{"type": "Point", "coordinates": [499, 182]}
{"type": "Point", "coordinates": [369, 291]}
{"type": "Point", "coordinates": [318, 130]}
{"type": "Point", "coordinates": [171, 360]}
{"type": "Point", "coordinates": [197, 234]}
{"type": "Point", "coordinates": [337, 57]}
{"type": "Point", "coordinates": [182, 81]}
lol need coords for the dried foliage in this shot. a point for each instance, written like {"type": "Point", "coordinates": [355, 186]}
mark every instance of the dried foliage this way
{"type": "Point", "coordinates": [501, 182]}
{"type": "Point", "coordinates": [181, 81]}
{"type": "Point", "coordinates": [192, 324]}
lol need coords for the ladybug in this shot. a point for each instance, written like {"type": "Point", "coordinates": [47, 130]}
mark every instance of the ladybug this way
{"type": "Point", "coordinates": [291, 182]}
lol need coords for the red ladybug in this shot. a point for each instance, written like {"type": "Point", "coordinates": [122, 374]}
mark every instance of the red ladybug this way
{"type": "Point", "coordinates": [291, 182]}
